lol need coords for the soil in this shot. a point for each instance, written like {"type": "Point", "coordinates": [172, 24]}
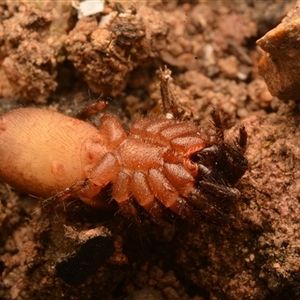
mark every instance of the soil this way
{"type": "Point", "coordinates": [51, 58]}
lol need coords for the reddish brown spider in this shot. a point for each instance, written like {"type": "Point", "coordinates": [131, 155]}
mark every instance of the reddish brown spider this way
{"type": "Point", "coordinates": [163, 163]}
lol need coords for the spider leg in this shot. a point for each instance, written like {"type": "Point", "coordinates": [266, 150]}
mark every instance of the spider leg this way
{"type": "Point", "coordinates": [170, 107]}
{"type": "Point", "coordinates": [92, 109]}
{"type": "Point", "coordinates": [64, 195]}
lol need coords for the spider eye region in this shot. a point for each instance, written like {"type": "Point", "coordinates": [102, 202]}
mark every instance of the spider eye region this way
{"type": "Point", "coordinates": [220, 163]}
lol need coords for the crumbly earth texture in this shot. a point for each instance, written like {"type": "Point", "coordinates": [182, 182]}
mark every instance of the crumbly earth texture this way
{"type": "Point", "coordinates": [54, 60]}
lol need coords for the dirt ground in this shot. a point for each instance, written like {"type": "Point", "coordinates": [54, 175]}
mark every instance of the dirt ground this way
{"type": "Point", "coordinates": [51, 58]}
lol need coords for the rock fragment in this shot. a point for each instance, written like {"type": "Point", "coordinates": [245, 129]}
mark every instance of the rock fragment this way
{"type": "Point", "coordinates": [280, 64]}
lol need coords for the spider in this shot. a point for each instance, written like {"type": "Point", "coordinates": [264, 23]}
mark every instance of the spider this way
{"type": "Point", "coordinates": [162, 164]}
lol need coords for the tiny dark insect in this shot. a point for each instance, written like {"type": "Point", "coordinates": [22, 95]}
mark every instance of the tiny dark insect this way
{"type": "Point", "coordinates": [125, 33]}
{"type": "Point", "coordinates": [162, 164]}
